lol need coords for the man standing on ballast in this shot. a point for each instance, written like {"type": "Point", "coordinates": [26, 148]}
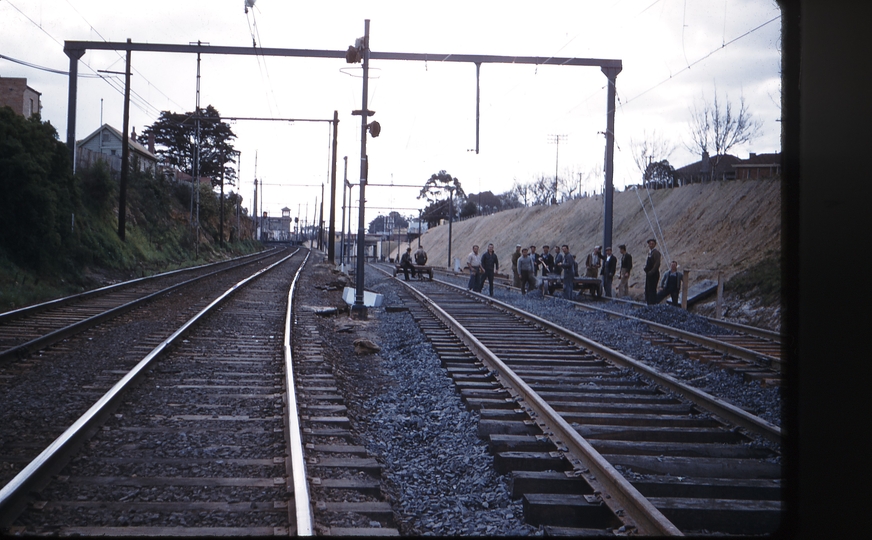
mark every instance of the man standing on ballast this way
{"type": "Point", "coordinates": [652, 272]}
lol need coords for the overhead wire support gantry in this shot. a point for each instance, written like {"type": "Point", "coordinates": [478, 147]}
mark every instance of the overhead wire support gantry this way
{"type": "Point", "coordinates": [610, 67]}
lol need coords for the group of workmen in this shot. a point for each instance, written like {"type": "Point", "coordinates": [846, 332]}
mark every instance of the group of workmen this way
{"type": "Point", "coordinates": [527, 265]}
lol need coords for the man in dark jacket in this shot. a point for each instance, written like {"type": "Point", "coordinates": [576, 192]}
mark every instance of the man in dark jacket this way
{"type": "Point", "coordinates": [490, 264]}
{"type": "Point", "coordinates": [652, 272]}
{"type": "Point", "coordinates": [626, 266]}
{"type": "Point", "coordinates": [610, 266]}
{"type": "Point", "coordinates": [567, 263]}
{"type": "Point", "coordinates": [546, 261]}
{"type": "Point", "coordinates": [406, 263]}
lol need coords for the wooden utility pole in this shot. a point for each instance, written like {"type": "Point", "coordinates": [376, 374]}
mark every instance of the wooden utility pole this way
{"type": "Point", "coordinates": [125, 152]}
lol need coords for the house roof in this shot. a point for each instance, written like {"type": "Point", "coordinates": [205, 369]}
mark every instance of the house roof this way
{"type": "Point", "coordinates": [760, 160]}
{"type": "Point", "coordinates": [135, 146]}
{"type": "Point", "coordinates": [185, 177]}
{"type": "Point", "coordinates": [725, 163]}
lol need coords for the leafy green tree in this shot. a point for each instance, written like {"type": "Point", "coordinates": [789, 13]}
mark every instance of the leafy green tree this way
{"type": "Point", "coordinates": [39, 194]}
{"type": "Point", "coordinates": [438, 191]}
{"type": "Point", "coordinates": [175, 137]}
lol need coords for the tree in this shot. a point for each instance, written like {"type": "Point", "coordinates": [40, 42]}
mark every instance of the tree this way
{"type": "Point", "coordinates": [436, 211]}
{"type": "Point", "coordinates": [468, 209]}
{"type": "Point", "coordinates": [521, 193]}
{"type": "Point", "coordinates": [718, 127]}
{"type": "Point", "coordinates": [440, 184]}
{"type": "Point", "coordinates": [485, 202]}
{"type": "Point", "coordinates": [394, 224]}
{"type": "Point", "coordinates": [509, 200]}
{"type": "Point", "coordinates": [659, 174]}
{"type": "Point", "coordinates": [651, 149]}
{"type": "Point", "coordinates": [39, 192]}
{"type": "Point", "coordinates": [437, 190]}
{"type": "Point", "coordinates": [175, 135]}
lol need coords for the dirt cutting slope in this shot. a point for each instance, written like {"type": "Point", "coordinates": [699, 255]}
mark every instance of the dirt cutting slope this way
{"type": "Point", "coordinates": [719, 226]}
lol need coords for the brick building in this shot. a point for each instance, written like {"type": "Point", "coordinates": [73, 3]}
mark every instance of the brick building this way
{"type": "Point", "coordinates": [15, 94]}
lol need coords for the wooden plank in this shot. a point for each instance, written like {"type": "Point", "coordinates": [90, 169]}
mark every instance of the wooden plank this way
{"type": "Point", "coordinates": [376, 508]}
{"type": "Point", "coordinates": [701, 467]}
{"type": "Point", "coordinates": [695, 450]}
{"type": "Point", "coordinates": [504, 462]}
{"type": "Point", "coordinates": [722, 515]}
{"type": "Point", "coordinates": [168, 531]}
{"type": "Point", "coordinates": [522, 482]}
{"type": "Point", "coordinates": [564, 510]}
{"type": "Point", "coordinates": [174, 506]}
{"type": "Point", "coordinates": [174, 481]}
{"type": "Point", "coordinates": [363, 531]}
{"type": "Point", "coordinates": [710, 488]}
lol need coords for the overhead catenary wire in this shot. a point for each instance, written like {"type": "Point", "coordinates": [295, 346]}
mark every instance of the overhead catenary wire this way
{"type": "Point", "coordinates": [139, 102]}
{"type": "Point", "coordinates": [121, 57]}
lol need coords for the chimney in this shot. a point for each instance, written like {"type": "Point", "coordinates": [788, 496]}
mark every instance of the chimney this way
{"type": "Point", "coordinates": [706, 161]}
{"type": "Point", "coordinates": [133, 134]}
{"type": "Point", "coordinates": [151, 142]}
{"type": "Point", "coordinates": [752, 155]}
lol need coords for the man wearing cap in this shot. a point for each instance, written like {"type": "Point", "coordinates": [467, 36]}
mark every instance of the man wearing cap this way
{"type": "Point", "coordinates": [593, 263]}
{"type": "Point", "coordinates": [652, 272]}
{"type": "Point", "coordinates": [516, 281]}
{"type": "Point", "coordinates": [626, 266]}
{"type": "Point", "coordinates": [610, 266]}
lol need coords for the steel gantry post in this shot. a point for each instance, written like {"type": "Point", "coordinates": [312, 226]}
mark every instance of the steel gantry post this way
{"type": "Point", "coordinates": [358, 310]}
{"type": "Point", "coordinates": [609, 191]}
{"type": "Point", "coordinates": [331, 227]}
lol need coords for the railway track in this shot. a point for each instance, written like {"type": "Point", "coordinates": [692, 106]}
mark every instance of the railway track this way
{"type": "Point", "coordinates": [29, 329]}
{"type": "Point", "coordinates": [754, 353]}
{"type": "Point", "coordinates": [203, 438]}
{"type": "Point", "coordinates": [596, 442]}
{"type": "Point", "coordinates": [193, 440]}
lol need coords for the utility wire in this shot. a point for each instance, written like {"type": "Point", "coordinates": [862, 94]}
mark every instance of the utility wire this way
{"type": "Point", "coordinates": [121, 57]}
{"type": "Point", "coordinates": [109, 80]}
{"type": "Point", "coordinates": [43, 68]}
{"type": "Point", "coordinates": [749, 32]}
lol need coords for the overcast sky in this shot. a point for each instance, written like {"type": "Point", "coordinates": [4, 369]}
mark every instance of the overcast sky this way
{"type": "Point", "coordinates": [674, 54]}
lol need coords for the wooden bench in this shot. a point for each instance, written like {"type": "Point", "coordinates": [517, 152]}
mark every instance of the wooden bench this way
{"type": "Point", "coordinates": [420, 270]}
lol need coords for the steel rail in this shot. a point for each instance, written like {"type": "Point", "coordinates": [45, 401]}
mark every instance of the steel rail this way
{"type": "Point", "coordinates": [14, 494]}
{"type": "Point", "coordinates": [719, 407]}
{"type": "Point", "coordinates": [623, 498]}
{"type": "Point", "coordinates": [58, 302]}
{"type": "Point", "coordinates": [25, 349]}
{"type": "Point", "coordinates": [302, 504]}
{"type": "Point", "coordinates": [705, 341]}
{"type": "Point", "coordinates": [751, 330]}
